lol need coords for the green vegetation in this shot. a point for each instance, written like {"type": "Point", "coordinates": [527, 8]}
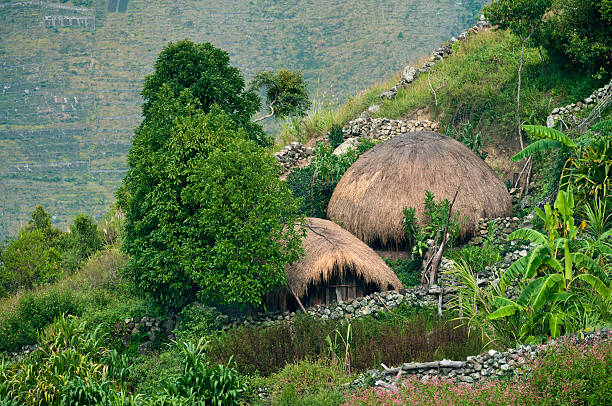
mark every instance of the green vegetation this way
{"type": "Point", "coordinates": [286, 94]}
{"type": "Point", "coordinates": [206, 213]}
{"type": "Point", "coordinates": [435, 215]}
{"type": "Point", "coordinates": [568, 374]}
{"type": "Point", "coordinates": [41, 253]}
{"type": "Point", "coordinates": [70, 155]}
{"type": "Point", "coordinates": [204, 219]}
{"type": "Point", "coordinates": [314, 184]}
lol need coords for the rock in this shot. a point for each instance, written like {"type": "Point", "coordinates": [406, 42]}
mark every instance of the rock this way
{"type": "Point", "coordinates": [409, 74]}
{"type": "Point", "coordinates": [343, 148]}
{"type": "Point", "coordinates": [375, 108]}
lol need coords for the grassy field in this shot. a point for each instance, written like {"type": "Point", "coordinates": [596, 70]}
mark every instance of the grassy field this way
{"type": "Point", "coordinates": [69, 95]}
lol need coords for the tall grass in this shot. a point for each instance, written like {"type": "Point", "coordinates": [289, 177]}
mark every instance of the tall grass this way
{"type": "Point", "coordinates": [393, 340]}
{"type": "Point", "coordinates": [323, 114]}
{"type": "Point", "coordinates": [477, 83]}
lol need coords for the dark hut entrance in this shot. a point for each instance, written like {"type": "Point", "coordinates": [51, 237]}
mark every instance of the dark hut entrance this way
{"type": "Point", "coordinates": [338, 288]}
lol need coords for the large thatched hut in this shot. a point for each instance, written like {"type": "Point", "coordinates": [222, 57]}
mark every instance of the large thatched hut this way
{"type": "Point", "coordinates": [369, 199]}
{"type": "Point", "coordinates": [336, 266]}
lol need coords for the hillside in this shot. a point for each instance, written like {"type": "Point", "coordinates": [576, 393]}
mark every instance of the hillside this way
{"type": "Point", "coordinates": [72, 71]}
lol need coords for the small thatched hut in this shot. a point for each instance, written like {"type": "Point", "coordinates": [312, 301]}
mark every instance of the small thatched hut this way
{"type": "Point", "coordinates": [336, 266]}
{"type": "Point", "coordinates": [369, 198]}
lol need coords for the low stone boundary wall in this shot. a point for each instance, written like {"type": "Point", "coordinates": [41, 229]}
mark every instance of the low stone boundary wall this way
{"type": "Point", "coordinates": [290, 156]}
{"type": "Point", "coordinates": [409, 73]}
{"type": "Point", "coordinates": [566, 114]}
{"type": "Point", "coordinates": [502, 227]}
{"type": "Point", "coordinates": [490, 364]}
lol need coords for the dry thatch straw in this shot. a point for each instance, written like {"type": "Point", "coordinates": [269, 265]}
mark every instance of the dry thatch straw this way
{"type": "Point", "coordinates": [369, 199]}
{"type": "Point", "coordinates": [330, 253]}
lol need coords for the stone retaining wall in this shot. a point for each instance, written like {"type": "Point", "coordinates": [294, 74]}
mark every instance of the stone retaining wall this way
{"type": "Point", "coordinates": [501, 227]}
{"type": "Point", "coordinates": [566, 114]}
{"type": "Point", "coordinates": [290, 156]}
{"type": "Point", "coordinates": [490, 364]}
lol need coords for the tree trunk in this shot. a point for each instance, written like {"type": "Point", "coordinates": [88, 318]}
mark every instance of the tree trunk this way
{"type": "Point", "coordinates": [518, 94]}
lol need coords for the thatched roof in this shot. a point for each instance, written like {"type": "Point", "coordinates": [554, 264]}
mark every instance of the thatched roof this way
{"type": "Point", "coordinates": [369, 198]}
{"type": "Point", "coordinates": [330, 250]}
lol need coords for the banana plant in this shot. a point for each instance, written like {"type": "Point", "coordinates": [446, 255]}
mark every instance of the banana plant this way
{"type": "Point", "coordinates": [552, 273]}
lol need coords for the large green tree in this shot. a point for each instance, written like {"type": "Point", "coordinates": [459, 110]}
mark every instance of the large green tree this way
{"type": "Point", "coordinates": [206, 212]}
{"type": "Point", "coordinates": [579, 33]}
{"type": "Point", "coordinates": [205, 71]}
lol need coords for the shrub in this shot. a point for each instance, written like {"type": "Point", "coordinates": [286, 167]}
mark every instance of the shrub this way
{"type": "Point", "coordinates": [306, 383]}
{"type": "Point", "coordinates": [476, 257]}
{"type": "Point", "coordinates": [28, 261]}
{"type": "Point", "coordinates": [199, 381]}
{"type": "Point", "coordinates": [336, 135]}
{"type": "Point", "coordinates": [407, 270]}
{"type": "Point", "coordinates": [315, 184]}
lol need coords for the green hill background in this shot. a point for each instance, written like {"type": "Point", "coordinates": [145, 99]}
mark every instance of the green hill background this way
{"type": "Point", "coordinates": [71, 73]}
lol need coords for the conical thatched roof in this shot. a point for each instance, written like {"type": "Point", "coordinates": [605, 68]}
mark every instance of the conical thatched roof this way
{"type": "Point", "coordinates": [369, 198]}
{"type": "Point", "coordinates": [330, 250]}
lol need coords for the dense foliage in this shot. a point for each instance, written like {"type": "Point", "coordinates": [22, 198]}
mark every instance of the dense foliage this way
{"type": "Point", "coordinates": [205, 71]}
{"type": "Point", "coordinates": [315, 184]}
{"type": "Point", "coordinates": [41, 253]}
{"type": "Point", "coordinates": [205, 210]}
{"type": "Point", "coordinates": [563, 283]}
{"type": "Point", "coordinates": [73, 366]}
{"type": "Point", "coordinates": [286, 93]}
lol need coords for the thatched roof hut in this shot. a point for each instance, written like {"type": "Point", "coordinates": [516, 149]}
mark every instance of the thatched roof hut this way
{"type": "Point", "coordinates": [336, 266]}
{"type": "Point", "coordinates": [369, 199]}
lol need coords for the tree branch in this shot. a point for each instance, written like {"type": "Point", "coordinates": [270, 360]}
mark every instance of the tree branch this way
{"type": "Point", "coordinates": [271, 107]}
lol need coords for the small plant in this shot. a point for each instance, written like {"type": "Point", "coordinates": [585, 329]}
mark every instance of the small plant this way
{"type": "Point", "coordinates": [345, 363]}
{"type": "Point", "coordinates": [336, 136]}
{"type": "Point", "coordinates": [466, 135]}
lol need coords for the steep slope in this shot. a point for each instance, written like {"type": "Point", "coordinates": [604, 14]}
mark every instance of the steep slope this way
{"type": "Point", "coordinates": [71, 72]}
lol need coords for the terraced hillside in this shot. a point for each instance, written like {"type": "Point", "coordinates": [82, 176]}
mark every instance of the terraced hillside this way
{"type": "Point", "coordinates": [71, 72]}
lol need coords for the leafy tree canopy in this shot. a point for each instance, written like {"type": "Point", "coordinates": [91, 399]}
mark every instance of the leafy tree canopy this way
{"type": "Point", "coordinates": [286, 93]}
{"type": "Point", "coordinates": [206, 212]}
{"type": "Point", "coordinates": [521, 17]}
{"type": "Point", "coordinates": [205, 71]}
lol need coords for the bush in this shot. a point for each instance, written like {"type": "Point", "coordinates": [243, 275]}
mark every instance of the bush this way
{"type": "Point", "coordinates": [315, 184]}
{"type": "Point", "coordinates": [95, 291]}
{"type": "Point", "coordinates": [407, 270]}
{"type": "Point", "coordinates": [28, 261]}
{"type": "Point", "coordinates": [34, 311]}
{"type": "Point", "coordinates": [199, 381]}
{"type": "Point", "coordinates": [305, 383]}
{"type": "Point", "coordinates": [336, 135]}
{"type": "Point", "coordinates": [476, 257]}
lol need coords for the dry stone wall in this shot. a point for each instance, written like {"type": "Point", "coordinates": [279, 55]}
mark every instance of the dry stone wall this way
{"type": "Point", "coordinates": [410, 73]}
{"type": "Point", "coordinates": [491, 364]}
{"type": "Point", "coordinates": [499, 228]}
{"type": "Point", "coordinates": [291, 156]}
{"type": "Point", "coordinates": [565, 116]}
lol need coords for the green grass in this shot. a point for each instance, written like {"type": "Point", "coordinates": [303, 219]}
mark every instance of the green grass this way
{"type": "Point", "coordinates": [476, 84]}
